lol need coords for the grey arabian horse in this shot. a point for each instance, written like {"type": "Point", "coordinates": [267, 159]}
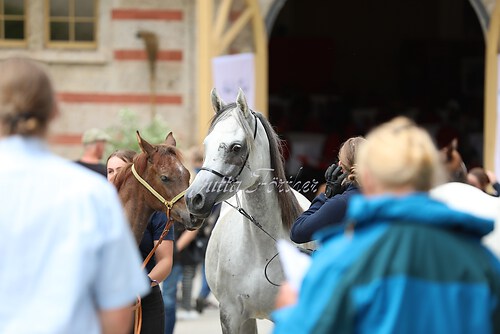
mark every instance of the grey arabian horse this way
{"type": "Point", "coordinates": [243, 168]}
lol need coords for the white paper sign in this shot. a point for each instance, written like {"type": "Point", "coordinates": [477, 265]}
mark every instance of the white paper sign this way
{"type": "Point", "coordinates": [295, 263]}
{"type": "Point", "coordinates": [232, 72]}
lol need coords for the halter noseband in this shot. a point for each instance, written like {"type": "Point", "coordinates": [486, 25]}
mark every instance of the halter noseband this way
{"type": "Point", "coordinates": [168, 204]}
{"type": "Point", "coordinates": [232, 179]}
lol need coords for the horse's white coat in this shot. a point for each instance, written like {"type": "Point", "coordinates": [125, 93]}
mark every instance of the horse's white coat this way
{"type": "Point", "coordinates": [238, 251]}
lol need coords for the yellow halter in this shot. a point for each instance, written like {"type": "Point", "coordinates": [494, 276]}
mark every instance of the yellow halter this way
{"type": "Point", "coordinates": [168, 204]}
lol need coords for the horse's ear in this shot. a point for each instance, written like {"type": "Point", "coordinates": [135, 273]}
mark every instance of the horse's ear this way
{"type": "Point", "coordinates": [144, 145]}
{"type": "Point", "coordinates": [217, 102]}
{"type": "Point", "coordinates": [241, 102]}
{"type": "Point", "coordinates": [454, 144]}
{"type": "Point", "coordinates": [170, 140]}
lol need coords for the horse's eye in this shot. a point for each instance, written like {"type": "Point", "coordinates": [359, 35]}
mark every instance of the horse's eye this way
{"type": "Point", "coordinates": [163, 178]}
{"type": "Point", "coordinates": [235, 148]}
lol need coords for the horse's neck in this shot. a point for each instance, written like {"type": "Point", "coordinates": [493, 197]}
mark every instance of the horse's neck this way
{"type": "Point", "coordinates": [136, 210]}
{"type": "Point", "coordinates": [262, 204]}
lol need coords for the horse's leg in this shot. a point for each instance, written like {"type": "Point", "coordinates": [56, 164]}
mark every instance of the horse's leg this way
{"type": "Point", "coordinates": [230, 322]}
{"type": "Point", "coordinates": [249, 327]}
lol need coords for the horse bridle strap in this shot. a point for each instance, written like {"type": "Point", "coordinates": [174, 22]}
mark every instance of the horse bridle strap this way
{"type": "Point", "coordinates": [232, 179]}
{"type": "Point", "coordinates": [168, 204]}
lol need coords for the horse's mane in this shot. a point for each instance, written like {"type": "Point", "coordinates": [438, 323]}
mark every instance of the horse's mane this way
{"type": "Point", "coordinates": [125, 172]}
{"type": "Point", "coordinates": [289, 206]}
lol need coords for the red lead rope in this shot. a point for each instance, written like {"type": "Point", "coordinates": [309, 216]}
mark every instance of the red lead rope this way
{"type": "Point", "coordinates": [138, 307]}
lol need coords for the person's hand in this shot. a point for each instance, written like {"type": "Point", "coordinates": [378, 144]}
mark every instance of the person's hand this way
{"type": "Point", "coordinates": [334, 178]}
{"type": "Point", "coordinates": [286, 296]}
{"type": "Point", "coordinates": [491, 176]}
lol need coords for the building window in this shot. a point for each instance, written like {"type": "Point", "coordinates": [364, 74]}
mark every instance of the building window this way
{"type": "Point", "coordinates": [72, 23]}
{"type": "Point", "coordinates": [12, 22]}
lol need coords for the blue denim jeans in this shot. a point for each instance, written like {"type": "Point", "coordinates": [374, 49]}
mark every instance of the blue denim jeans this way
{"type": "Point", "coordinates": [205, 289]}
{"type": "Point", "coordinates": [169, 291]}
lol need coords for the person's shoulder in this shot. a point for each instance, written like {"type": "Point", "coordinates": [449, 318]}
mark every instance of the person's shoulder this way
{"type": "Point", "coordinates": [76, 168]}
{"type": "Point", "coordinates": [467, 198]}
{"type": "Point", "coordinates": [352, 189]}
{"type": "Point", "coordinates": [78, 177]}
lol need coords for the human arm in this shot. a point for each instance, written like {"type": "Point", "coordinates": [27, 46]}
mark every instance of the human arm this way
{"type": "Point", "coordinates": [116, 321]}
{"type": "Point", "coordinates": [494, 182]}
{"type": "Point", "coordinates": [119, 278]}
{"type": "Point", "coordinates": [164, 258]}
{"type": "Point", "coordinates": [287, 296]}
{"type": "Point", "coordinates": [185, 239]}
{"type": "Point", "coordinates": [322, 212]}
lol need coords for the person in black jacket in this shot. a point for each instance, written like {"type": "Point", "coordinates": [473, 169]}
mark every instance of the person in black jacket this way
{"type": "Point", "coordinates": [329, 208]}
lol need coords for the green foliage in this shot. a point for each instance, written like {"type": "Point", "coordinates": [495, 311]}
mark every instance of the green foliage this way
{"type": "Point", "coordinates": [123, 136]}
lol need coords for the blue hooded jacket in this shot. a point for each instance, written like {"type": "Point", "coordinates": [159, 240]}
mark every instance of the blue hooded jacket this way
{"type": "Point", "coordinates": [399, 265]}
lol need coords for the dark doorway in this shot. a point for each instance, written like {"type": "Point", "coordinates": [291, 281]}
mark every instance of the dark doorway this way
{"type": "Point", "coordinates": [337, 68]}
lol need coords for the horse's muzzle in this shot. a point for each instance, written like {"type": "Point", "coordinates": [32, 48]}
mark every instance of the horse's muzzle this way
{"type": "Point", "coordinates": [198, 204]}
{"type": "Point", "coordinates": [196, 223]}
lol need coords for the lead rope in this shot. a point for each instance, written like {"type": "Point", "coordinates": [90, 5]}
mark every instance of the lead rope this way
{"type": "Point", "coordinates": [168, 208]}
{"type": "Point", "coordinates": [138, 306]}
{"type": "Point", "coordinates": [254, 221]}
{"type": "Point", "coordinates": [248, 216]}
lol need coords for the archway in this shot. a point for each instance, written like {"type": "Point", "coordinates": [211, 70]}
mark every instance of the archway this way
{"type": "Point", "coordinates": [337, 69]}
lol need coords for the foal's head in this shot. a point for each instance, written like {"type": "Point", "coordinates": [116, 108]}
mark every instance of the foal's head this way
{"type": "Point", "coordinates": [161, 167]}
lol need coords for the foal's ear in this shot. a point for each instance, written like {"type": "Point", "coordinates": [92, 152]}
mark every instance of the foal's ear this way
{"type": "Point", "coordinates": [217, 102]}
{"type": "Point", "coordinates": [241, 102]}
{"type": "Point", "coordinates": [170, 140]}
{"type": "Point", "coordinates": [144, 145]}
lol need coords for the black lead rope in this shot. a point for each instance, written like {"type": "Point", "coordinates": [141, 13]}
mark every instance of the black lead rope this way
{"type": "Point", "coordinates": [256, 223]}
{"type": "Point", "coordinates": [249, 217]}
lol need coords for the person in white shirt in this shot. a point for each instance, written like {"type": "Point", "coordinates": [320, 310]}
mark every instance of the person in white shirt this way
{"type": "Point", "coordinates": [69, 261]}
{"type": "Point", "coordinates": [469, 199]}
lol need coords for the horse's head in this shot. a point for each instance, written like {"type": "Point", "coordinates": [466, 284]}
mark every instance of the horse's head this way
{"type": "Point", "coordinates": [453, 163]}
{"type": "Point", "coordinates": [161, 167]}
{"type": "Point", "coordinates": [229, 161]}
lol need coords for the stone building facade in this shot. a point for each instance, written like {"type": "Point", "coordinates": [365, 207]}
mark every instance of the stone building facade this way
{"type": "Point", "coordinates": [95, 80]}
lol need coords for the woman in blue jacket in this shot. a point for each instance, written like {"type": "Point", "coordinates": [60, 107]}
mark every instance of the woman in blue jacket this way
{"type": "Point", "coordinates": [402, 262]}
{"type": "Point", "coordinates": [329, 208]}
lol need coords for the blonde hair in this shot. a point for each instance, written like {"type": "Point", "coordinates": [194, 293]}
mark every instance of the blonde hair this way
{"type": "Point", "coordinates": [399, 153]}
{"type": "Point", "coordinates": [26, 98]}
{"type": "Point", "coordinates": [347, 156]}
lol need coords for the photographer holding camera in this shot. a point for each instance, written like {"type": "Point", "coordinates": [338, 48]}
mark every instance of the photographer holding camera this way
{"type": "Point", "coordinates": [329, 208]}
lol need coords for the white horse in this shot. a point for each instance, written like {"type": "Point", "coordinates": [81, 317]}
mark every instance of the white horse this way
{"type": "Point", "coordinates": [243, 158]}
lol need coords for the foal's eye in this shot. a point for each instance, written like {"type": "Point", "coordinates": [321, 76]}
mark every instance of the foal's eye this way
{"type": "Point", "coordinates": [235, 148]}
{"type": "Point", "coordinates": [163, 178]}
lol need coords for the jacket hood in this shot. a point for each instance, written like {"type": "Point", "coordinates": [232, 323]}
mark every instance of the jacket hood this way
{"type": "Point", "coordinates": [414, 208]}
